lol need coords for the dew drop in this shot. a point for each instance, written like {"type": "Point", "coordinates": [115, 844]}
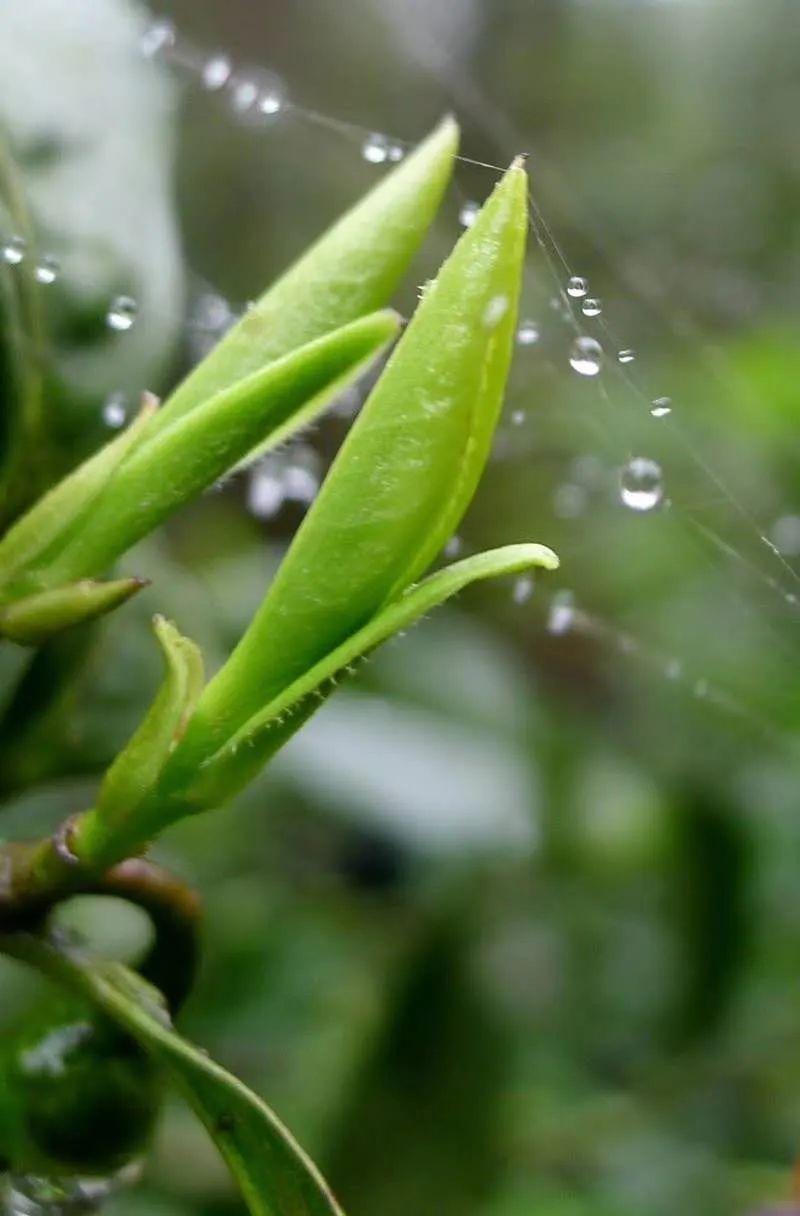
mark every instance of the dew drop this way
{"type": "Point", "coordinates": [661, 407]}
{"type": "Point", "coordinates": [495, 310]}
{"type": "Point", "coordinates": [454, 547]}
{"type": "Point", "coordinates": [468, 213]}
{"type": "Point", "coordinates": [47, 270]}
{"type": "Point", "coordinates": [244, 95]}
{"type": "Point", "coordinates": [375, 149]}
{"type": "Point", "coordinates": [673, 669]}
{"type": "Point", "coordinates": [300, 484]}
{"type": "Point", "coordinates": [158, 37]}
{"type": "Point", "coordinates": [216, 72]}
{"type": "Point", "coordinates": [586, 356]}
{"type": "Point", "coordinates": [115, 410]}
{"type": "Point", "coordinates": [518, 417]}
{"type": "Point", "coordinates": [561, 616]}
{"type": "Point", "coordinates": [641, 484]}
{"type": "Point", "coordinates": [577, 287]}
{"type": "Point", "coordinates": [569, 501]}
{"type": "Point", "coordinates": [591, 307]}
{"type": "Point", "coordinates": [265, 492]}
{"type": "Point", "coordinates": [523, 589]}
{"type": "Point", "coordinates": [785, 535]}
{"type": "Point", "coordinates": [270, 102]}
{"type": "Point", "coordinates": [528, 333]}
{"type": "Point", "coordinates": [626, 356]}
{"type": "Point", "coordinates": [14, 250]}
{"type": "Point", "coordinates": [121, 313]}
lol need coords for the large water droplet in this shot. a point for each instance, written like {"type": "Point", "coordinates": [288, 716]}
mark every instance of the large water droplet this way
{"type": "Point", "coordinates": [528, 333]}
{"type": "Point", "coordinates": [591, 307]}
{"type": "Point", "coordinates": [47, 270]}
{"type": "Point", "coordinates": [577, 287]}
{"type": "Point", "coordinates": [115, 410]}
{"type": "Point", "coordinates": [561, 616]}
{"type": "Point", "coordinates": [216, 72]}
{"type": "Point", "coordinates": [661, 407]}
{"type": "Point", "coordinates": [523, 589]}
{"type": "Point", "coordinates": [641, 484]}
{"type": "Point", "coordinates": [158, 37]}
{"type": "Point", "coordinates": [469, 213]}
{"type": "Point", "coordinates": [375, 148]}
{"type": "Point", "coordinates": [626, 356]}
{"type": "Point", "coordinates": [121, 313]}
{"type": "Point", "coordinates": [14, 250]}
{"type": "Point", "coordinates": [569, 500]}
{"type": "Point", "coordinates": [586, 356]}
{"type": "Point", "coordinates": [265, 492]}
{"type": "Point", "coordinates": [785, 535]}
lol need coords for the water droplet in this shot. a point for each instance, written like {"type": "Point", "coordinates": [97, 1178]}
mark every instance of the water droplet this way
{"type": "Point", "coordinates": [577, 287]}
{"type": "Point", "coordinates": [216, 72]}
{"type": "Point", "coordinates": [375, 148]}
{"type": "Point", "coordinates": [591, 307]}
{"type": "Point", "coordinates": [121, 313]}
{"type": "Point", "coordinates": [569, 501]}
{"type": "Point", "coordinates": [265, 491]}
{"type": "Point", "coordinates": [641, 484]}
{"type": "Point", "coordinates": [523, 589]}
{"type": "Point", "coordinates": [785, 535]}
{"type": "Point", "coordinates": [271, 101]}
{"type": "Point", "coordinates": [626, 356]}
{"type": "Point", "coordinates": [586, 356]}
{"type": "Point", "coordinates": [300, 484]}
{"type": "Point", "coordinates": [561, 616]}
{"type": "Point", "coordinates": [158, 37]}
{"type": "Point", "coordinates": [14, 249]}
{"type": "Point", "coordinates": [47, 270]}
{"type": "Point", "coordinates": [244, 94]}
{"type": "Point", "coordinates": [673, 669]}
{"type": "Point", "coordinates": [396, 153]}
{"type": "Point", "coordinates": [495, 310]}
{"type": "Point", "coordinates": [528, 333]}
{"type": "Point", "coordinates": [518, 417]}
{"type": "Point", "coordinates": [454, 547]}
{"type": "Point", "coordinates": [469, 213]}
{"type": "Point", "coordinates": [661, 407]}
{"type": "Point", "coordinates": [115, 410]}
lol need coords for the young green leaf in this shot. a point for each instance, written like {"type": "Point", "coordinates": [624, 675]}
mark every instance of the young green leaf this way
{"type": "Point", "coordinates": [275, 1176]}
{"type": "Point", "coordinates": [137, 767]}
{"type": "Point", "coordinates": [35, 618]}
{"type": "Point", "coordinates": [235, 764]}
{"type": "Point", "coordinates": [352, 269]}
{"type": "Point", "coordinates": [67, 504]}
{"type": "Point", "coordinates": [169, 467]}
{"type": "Point", "coordinates": [401, 481]}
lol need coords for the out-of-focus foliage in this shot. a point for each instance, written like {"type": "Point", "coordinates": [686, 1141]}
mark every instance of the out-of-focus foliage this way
{"type": "Point", "coordinates": [516, 921]}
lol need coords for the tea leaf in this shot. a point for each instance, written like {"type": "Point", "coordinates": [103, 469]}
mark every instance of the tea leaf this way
{"type": "Point", "coordinates": [36, 618]}
{"type": "Point", "coordinates": [352, 269]}
{"type": "Point", "coordinates": [138, 765]}
{"type": "Point", "coordinates": [249, 749]}
{"type": "Point", "coordinates": [401, 481]}
{"type": "Point", "coordinates": [65, 506]}
{"type": "Point", "coordinates": [172, 465]}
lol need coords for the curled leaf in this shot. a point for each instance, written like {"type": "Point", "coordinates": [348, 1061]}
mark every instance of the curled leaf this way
{"type": "Point", "coordinates": [137, 767]}
{"type": "Point", "coordinates": [275, 1176]}
{"type": "Point", "coordinates": [35, 618]}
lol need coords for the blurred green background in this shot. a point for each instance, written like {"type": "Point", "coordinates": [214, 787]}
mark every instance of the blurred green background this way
{"type": "Point", "coordinates": [514, 925]}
